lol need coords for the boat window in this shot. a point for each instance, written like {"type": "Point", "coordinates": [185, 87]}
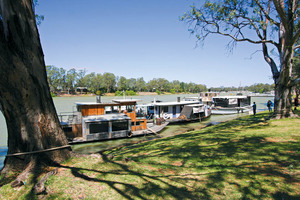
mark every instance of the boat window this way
{"type": "Point", "coordinates": [98, 127]}
{"type": "Point", "coordinates": [130, 108]}
{"type": "Point", "coordinates": [119, 125]}
{"type": "Point", "coordinates": [166, 109]}
{"type": "Point", "coordinates": [174, 110]}
{"type": "Point", "coordinates": [115, 109]}
{"type": "Point", "coordinates": [137, 123]}
{"type": "Point", "coordinates": [107, 109]}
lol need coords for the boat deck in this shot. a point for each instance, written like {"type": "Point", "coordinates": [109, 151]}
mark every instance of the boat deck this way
{"type": "Point", "coordinates": [151, 129]}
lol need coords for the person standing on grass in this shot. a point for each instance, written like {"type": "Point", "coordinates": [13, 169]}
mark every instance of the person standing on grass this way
{"type": "Point", "coordinates": [296, 103]}
{"type": "Point", "coordinates": [254, 108]}
{"type": "Point", "coordinates": [269, 105]}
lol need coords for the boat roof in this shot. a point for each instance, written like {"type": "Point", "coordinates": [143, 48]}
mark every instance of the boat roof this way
{"type": "Point", "coordinates": [230, 97]}
{"type": "Point", "coordinates": [194, 98]}
{"type": "Point", "coordinates": [125, 100]}
{"type": "Point", "coordinates": [95, 103]}
{"type": "Point", "coordinates": [194, 105]}
{"type": "Point", "coordinates": [106, 117]}
{"type": "Point", "coordinates": [173, 103]}
{"type": "Point", "coordinates": [114, 102]}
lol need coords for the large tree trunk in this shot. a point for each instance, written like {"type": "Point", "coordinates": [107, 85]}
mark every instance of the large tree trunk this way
{"type": "Point", "coordinates": [282, 101]}
{"type": "Point", "coordinates": [284, 83]}
{"type": "Point", "coordinates": [25, 98]}
{"type": "Point", "coordinates": [283, 86]}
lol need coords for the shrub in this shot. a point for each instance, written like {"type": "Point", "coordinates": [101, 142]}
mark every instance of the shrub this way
{"type": "Point", "coordinates": [130, 93]}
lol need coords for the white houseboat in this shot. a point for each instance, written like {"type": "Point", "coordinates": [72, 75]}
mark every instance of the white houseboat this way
{"type": "Point", "coordinates": [189, 109]}
{"type": "Point", "coordinates": [230, 105]}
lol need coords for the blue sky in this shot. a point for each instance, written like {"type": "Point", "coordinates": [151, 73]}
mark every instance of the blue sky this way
{"type": "Point", "coordinates": [142, 38]}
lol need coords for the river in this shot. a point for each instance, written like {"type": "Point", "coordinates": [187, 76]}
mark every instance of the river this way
{"type": "Point", "coordinates": [66, 104]}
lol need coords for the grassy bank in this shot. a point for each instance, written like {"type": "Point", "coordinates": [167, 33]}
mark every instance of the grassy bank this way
{"type": "Point", "coordinates": [247, 158]}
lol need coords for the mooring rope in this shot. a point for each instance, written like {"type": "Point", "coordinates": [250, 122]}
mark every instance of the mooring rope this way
{"type": "Point", "coordinates": [39, 151]}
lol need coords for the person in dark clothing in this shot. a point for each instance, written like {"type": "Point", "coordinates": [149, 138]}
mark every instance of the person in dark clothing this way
{"type": "Point", "coordinates": [296, 103]}
{"type": "Point", "coordinates": [254, 108]}
{"type": "Point", "coordinates": [269, 105]}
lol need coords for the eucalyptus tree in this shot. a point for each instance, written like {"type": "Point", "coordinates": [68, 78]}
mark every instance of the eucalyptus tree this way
{"type": "Point", "coordinates": [272, 24]}
{"type": "Point", "coordinates": [131, 84]}
{"type": "Point", "coordinates": [191, 87]}
{"type": "Point", "coordinates": [296, 71]}
{"type": "Point", "coordinates": [162, 84]}
{"type": "Point", "coordinates": [152, 85]}
{"type": "Point", "coordinates": [87, 81]}
{"type": "Point", "coordinates": [81, 78]}
{"type": "Point", "coordinates": [110, 81]}
{"type": "Point", "coordinates": [25, 99]}
{"type": "Point", "coordinates": [176, 85]}
{"type": "Point", "coordinates": [201, 88]}
{"type": "Point", "coordinates": [97, 83]}
{"type": "Point", "coordinates": [71, 79]}
{"type": "Point", "coordinates": [140, 84]}
{"type": "Point", "coordinates": [54, 77]}
{"type": "Point", "coordinates": [122, 83]}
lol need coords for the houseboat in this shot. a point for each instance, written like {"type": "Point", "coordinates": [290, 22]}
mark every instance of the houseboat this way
{"type": "Point", "coordinates": [224, 105]}
{"type": "Point", "coordinates": [99, 121]}
{"type": "Point", "coordinates": [208, 96]}
{"type": "Point", "coordinates": [189, 109]}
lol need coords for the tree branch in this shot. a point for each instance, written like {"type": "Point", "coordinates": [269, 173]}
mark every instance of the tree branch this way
{"type": "Point", "coordinates": [296, 36]}
{"type": "Point", "coordinates": [254, 25]}
{"type": "Point", "coordinates": [271, 63]}
{"type": "Point", "coordinates": [295, 82]}
{"type": "Point", "coordinates": [244, 39]}
{"type": "Point", "coordinates": [267, 13]}
{"type": "Point", "coordinates": [296, 47]}
{"type": "Point", "coordinates": [280, 9]}
{"type": "Point", "coordinates": [294, 3]}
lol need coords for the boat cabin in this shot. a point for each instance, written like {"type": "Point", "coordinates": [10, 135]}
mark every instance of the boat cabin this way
{"type": "Point", "coordinates": [96, 121]}
{"type": "Point", "coordinates": [169, 110]}
{"type": "Point", "coordinates": [231, 101]}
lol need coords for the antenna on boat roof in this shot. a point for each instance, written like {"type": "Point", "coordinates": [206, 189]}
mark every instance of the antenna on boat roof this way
{"type": "Point", "coordinates": [98, 99]}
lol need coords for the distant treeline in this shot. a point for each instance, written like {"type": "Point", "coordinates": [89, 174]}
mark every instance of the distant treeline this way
{"type": "Point", "coordinates": [72, 81]}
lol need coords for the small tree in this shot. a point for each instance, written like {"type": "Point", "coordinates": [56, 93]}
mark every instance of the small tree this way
{"type": "Point", "coordinates": [270, 23]}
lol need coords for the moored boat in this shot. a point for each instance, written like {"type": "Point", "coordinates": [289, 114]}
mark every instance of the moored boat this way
{"type": "Point", "coordinates": [227, 105]}
{"type": "Point", "coordinates": [186, 110]}
{"type": "Point", "coordinates": [100, 121]}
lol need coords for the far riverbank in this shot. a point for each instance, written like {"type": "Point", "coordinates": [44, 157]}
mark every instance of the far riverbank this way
{"type": "Point", "coordinates": [113, 94]}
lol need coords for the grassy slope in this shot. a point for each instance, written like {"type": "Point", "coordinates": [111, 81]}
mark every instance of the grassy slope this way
{"type": "Point", "coordinates": [247, 158]}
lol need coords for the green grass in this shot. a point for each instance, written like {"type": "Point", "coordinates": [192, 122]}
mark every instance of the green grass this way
{"type": "Point", "coordinates": [247, 158]}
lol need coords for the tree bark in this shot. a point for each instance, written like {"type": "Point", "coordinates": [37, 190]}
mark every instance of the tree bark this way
{"type": "Point", "coordinates": [283, 83]}
{"type": "Point", "coordinates": [25, 97]}
{"type": "Point", "coordinates": [282, 102]}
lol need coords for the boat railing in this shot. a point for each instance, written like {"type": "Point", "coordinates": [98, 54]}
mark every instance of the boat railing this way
{"type": "Point", "coordinates": [69, 117]}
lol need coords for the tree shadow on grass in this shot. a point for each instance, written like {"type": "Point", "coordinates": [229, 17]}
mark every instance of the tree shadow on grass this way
{"type": "Point", "coordinates": [151, 187]}
{"type": "Point", "coordinates": [210, 164]}
{"type": "Point", "coordinates": [213, 172]}
{"type": "Point", "coordinates": [248, 158]}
